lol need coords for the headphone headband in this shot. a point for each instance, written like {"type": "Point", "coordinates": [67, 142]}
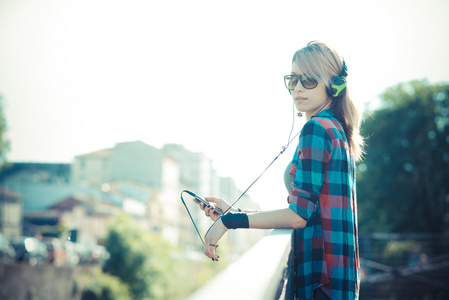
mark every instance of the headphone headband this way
{"type": "Point", "coordinates": [344, 71]}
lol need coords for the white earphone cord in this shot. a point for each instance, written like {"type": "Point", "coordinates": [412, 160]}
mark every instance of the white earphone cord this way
{"type": "Point", "coordinates": [283, 150]}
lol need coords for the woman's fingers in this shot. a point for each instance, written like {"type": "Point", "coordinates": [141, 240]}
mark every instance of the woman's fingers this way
{"type": "Point", "coordinates": [219, 202]}
{"type": "Point", "coordinates": [208, 211]}
{"type": "Point", "coordinates": [209, 251]}
{"type": "Point", "coordinates": [211, 239]}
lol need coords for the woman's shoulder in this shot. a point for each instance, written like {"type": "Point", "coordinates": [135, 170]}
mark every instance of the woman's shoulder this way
{"type": "Point", "coordinates": [315, 129]}
{"type": "Point", "coordinates": [327, 120]}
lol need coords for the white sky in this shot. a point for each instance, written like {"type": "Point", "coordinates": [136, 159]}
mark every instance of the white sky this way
{"type": "Point", "coordinates": [79, 76]}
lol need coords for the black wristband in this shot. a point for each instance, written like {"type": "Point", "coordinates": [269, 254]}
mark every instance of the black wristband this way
{"type": "Point", "coordinates": [235, 220]}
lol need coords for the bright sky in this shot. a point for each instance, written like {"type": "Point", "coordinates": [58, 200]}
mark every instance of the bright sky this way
{"type": "Point", "coordinates": [79, 76]}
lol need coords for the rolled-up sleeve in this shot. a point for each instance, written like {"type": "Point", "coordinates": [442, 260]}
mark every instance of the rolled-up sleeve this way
{"type": "Point", "coordinates": [308, 168]}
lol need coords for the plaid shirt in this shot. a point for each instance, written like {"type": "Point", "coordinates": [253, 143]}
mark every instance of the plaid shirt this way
{"type": "Point", "coordinates": [323, 193]}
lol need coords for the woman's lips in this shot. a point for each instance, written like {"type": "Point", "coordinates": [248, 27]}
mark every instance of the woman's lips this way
{"type": "Point", "coordinates": [300, 99]}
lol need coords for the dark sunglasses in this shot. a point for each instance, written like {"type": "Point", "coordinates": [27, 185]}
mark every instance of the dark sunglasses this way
{"type": "Point", "coordinates": [292, 80]}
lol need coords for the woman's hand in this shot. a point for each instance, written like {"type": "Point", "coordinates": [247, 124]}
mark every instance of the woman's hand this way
{"type": "Point", "coordinates": [211, 239]}
{"type": "Point", "coordinates": [210, 211]}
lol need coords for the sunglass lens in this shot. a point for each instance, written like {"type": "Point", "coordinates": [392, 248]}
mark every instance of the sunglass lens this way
{"type": "Point", "coordinates": [309, 83]}
{"type": "Point", "coordinates": [290, 81]}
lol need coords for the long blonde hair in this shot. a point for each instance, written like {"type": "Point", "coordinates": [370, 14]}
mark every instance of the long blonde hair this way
{"type": "Point", "coordinates": [319, 61]}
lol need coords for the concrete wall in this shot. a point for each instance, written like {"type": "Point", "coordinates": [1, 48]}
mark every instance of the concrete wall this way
{"type": "Point", "coordinates": [41, 282]}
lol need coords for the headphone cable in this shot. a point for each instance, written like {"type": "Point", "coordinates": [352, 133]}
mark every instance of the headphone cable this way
{"type": "Point", "coordinates": [284, 148]}
{"type": "Point", "coordinates": [282, 151]}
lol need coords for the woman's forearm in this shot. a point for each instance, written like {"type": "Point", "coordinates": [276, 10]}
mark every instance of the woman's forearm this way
{"type": "Point", "coordinates": [282, 218]}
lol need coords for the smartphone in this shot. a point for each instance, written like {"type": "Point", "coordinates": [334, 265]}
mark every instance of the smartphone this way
{"type": "Point", "coordinates": [199, 198]}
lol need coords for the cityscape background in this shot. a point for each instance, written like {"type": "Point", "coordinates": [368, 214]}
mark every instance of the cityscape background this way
{"type": "Point", "coordinates": [69, 221]}
{"type": "Point", "coordinates": [133, 178]}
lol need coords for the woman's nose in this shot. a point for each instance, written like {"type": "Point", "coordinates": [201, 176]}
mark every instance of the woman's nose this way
{"type": "Point", "coordinates": [298, 87]}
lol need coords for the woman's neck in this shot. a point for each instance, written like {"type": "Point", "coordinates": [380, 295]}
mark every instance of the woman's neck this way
{"type": "Point", "coordinates": [325, 106]}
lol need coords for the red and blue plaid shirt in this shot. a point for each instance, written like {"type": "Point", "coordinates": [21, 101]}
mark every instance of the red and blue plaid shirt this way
{"type": "Point", "coordinates": [324, 194]}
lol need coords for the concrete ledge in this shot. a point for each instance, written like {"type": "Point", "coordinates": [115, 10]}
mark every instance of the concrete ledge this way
{"type": "Point", "coordinates": [257, 275]}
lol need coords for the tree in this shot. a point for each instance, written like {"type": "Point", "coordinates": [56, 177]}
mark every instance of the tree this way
{"type": "Point", "coordinates": [100, 286]}
{"type": "Point", "coordinates": [4, 143]}
{"type": "Point", "coordinates": [403, 183]}
{"type": "Point", "coordinates": [150, 266]}
{"type": "Point", "coordinates": [138, 258]}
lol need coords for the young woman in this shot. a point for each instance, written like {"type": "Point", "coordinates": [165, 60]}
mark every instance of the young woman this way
{"type": "Point", "coordinates": [320, 181]}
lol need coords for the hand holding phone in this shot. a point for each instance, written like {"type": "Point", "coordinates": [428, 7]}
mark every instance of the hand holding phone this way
{"type": "Point", "coordinates": [206, 203]}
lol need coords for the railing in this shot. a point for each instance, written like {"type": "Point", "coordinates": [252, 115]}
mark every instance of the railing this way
{"type": "Point", "coordinates": [393, 266]}
{"type": "Point", "coordinates": [404, 266]}
{"type": "Point", "coordinates": [262, 273]}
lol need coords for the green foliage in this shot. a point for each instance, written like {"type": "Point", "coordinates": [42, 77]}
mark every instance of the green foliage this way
{"type": "Point", "coordinates": [403, 182]}
{"type": "Point", "coordinates": [134, 257]}
{"type": "Point", "coordinates": [100, 286]}
{"type": "Point", "coordinates": [397, 253]}
{"type": "Point", "coordinates": [4, 143]}
{"type": "Point", "coordinates": [150, 266]}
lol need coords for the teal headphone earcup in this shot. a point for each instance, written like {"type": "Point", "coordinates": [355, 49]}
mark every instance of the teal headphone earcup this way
{"type": "Point", "coordinates": [338, 87]}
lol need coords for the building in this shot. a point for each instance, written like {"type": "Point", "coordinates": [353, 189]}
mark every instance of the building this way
{"type": "Point", "coordinates": [134, 178]}
{"type": "Point", "coordinates": [145, 177]}
{"type": "Point", "coordinates": [10, 213]}
{"type": "Point", "coordinates": [50, 204]}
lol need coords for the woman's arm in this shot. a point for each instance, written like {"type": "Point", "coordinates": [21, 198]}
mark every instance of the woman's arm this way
{"type": "Point", "coordinates": [281, 218]}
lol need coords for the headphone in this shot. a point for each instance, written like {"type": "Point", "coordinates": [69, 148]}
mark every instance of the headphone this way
{"type": "Point", "coordinates": [338, 83]}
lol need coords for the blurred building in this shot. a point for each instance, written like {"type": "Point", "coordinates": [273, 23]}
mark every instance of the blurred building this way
{"type": "Point", "coordinates": [50, 205]}
{"type": "Point", "coordinates": [135, 178]}
{"type": "Point", "coordinates": [10, 213]}
{"type": "Point", "coordinates": [146, 178]}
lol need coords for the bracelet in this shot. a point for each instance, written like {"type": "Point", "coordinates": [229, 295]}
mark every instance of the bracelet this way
{"type": "Point", "coordinates": [235, 220]}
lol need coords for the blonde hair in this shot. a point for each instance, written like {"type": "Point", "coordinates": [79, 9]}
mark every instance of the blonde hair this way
{"type": "Point", "coordinates": [319, 61]}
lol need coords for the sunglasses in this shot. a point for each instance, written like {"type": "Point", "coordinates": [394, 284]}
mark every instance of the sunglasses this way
{"type": "Point", "coordinates": [292, 80]}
